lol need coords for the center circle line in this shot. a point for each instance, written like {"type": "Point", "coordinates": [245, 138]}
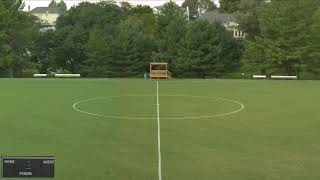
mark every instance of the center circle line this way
{"type": "Point", "coordinates": [74, 106]}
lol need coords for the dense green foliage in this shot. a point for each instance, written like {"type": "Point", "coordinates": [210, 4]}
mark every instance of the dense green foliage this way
{"type": "Point", "coordinates": [313, 51]}
{"type": "Point", "coordinates": [17, 33]}
{"type": "Point", "coordinates": [229, 5]}
{"type": "Point", "coordinates": [62, 5]}
{"type": "Point", "coordinates": [281, 42]}
{"type": "Point", "coordinates": [208, 50]}
{"type": "Point", "coordinates": [197, 7]}
{"type": "Point", "coordinates": [247, 17]}
{"type": "Point", "coordinates": [107, 40]}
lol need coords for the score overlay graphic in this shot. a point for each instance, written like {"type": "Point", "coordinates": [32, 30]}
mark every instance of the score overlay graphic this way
{"type": "Point", "coordinates": [27, 166]}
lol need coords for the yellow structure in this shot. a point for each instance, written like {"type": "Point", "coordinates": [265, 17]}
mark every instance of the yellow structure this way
{"type": "Point", "coordinates": [159, 70]}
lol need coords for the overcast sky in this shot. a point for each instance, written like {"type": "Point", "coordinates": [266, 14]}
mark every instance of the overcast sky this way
{"type": "Point", "coordinates": [31, 4]}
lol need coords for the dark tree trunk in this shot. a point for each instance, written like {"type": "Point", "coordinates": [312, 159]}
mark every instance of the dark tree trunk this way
{"type": "Point", "coordinates": [201, 74]}
{"type": "Point", "coordinates": [20, 72]}
{"type": "Point", "coordinates": [10, 72]}
{"type": "Point", "coordinates": [299, 70]}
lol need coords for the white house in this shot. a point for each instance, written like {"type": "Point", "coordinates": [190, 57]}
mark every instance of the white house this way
{"type": "Point", "coordinates": [227, 20]}
{"type": "Point", "coordinates": [47, 15]}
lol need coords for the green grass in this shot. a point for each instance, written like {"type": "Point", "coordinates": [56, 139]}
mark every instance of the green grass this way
{"type": "Point", "coordinates": [276, 136]}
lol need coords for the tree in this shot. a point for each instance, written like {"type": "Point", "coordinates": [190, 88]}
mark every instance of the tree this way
{"type": "Point", "coordinates": [197, 7]}
{"type": "Point", "coordinates": [70, 53]}
{"type": "Point", "coordinates": [171, 22]}
{"type": "Point", "coordinates": [247, 17]}
{"type": "Point", "coordinates": [283, 38]}
{"type": "Point", "coordinates": [88, 14]}
{"type": "Point", "coordinates": [17, 33]}
{"type": "Point", "coordinates": [78, 30]}
{"type": "Point", "coordinates": [127, 7]}
{"type": "Point", "coordinates": [168, 13]}
{"type": "Point", "coordinates": [313, 53]}
{"type": "Point", "coordinates": [62, 5]}
{"type": "Point", "coordinates": [141, 10]}
{"type": "Point", "coordinates": [208, 50]}
{"type": "Point", "coordinates": [41, 52]}
{"type": "Point", "coordinates": [254, 58]}
{"type": "Point", "coordinates": [132, 48]}
{"type": "Point", "coordinates": [229, 6]}
{"type": "Point", "coordinates": [53, 3]}
{"type": "Point", "coordinates": [103, 39]}
{"type": "Point", "coordinates": [99, 54]}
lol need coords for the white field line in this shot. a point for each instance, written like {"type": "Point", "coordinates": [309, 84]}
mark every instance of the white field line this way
{"type": "Point", "coordinates": [159, 139]}
{"type": "Point", "coordinates": [75, 107]}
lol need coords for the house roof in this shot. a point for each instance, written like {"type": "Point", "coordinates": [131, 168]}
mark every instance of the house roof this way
{"type": "Point", "coordinates": [215, 16]}
{"type": "Point", "coordinates": [49, 10]}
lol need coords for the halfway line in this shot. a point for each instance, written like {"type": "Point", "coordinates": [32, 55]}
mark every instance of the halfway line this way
{"type": "Point", "coordinates": [159, 145]}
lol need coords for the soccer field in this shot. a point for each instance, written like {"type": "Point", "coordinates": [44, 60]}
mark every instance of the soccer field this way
{"type": "Point", "coordinates": [107, 129]}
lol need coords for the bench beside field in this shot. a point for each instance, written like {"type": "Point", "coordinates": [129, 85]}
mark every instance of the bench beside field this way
{"type": "Point", "coordinates": [274, 77]}
{"type": "Point", "coordinates": [58, 75]}
{"type": "Point", "coordinates": [259, 76]}
{"type": "Point", "coordinates": [284, 77]}
{"type": "Point", "coordinates": [40, 75]}
{"type": "Point", "coordinates": [67, 75]}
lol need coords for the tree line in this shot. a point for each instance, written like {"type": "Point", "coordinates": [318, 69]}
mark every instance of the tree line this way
{"type": "Point", "coordinates": [283, 37]}
{"type": "Point", "coordinates": [109, 40]}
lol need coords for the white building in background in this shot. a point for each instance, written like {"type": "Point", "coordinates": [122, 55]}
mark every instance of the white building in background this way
{"type": "Point", "coordinates": [47, 15]}
{"type": "Point", "coordinates": [32, 4]}
{"type": "Point", "coordinates": [227, 20]}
